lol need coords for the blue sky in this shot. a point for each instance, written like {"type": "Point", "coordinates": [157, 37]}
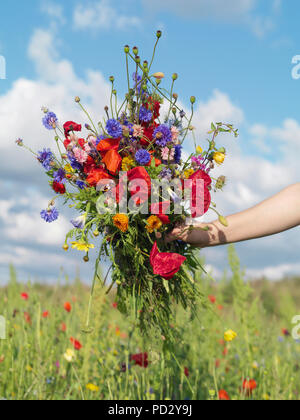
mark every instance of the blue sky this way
{"type": "Point", "coordinates": [234, 56]}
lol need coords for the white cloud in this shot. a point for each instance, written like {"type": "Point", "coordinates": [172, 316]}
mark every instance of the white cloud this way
{"type": "Point", "coordinates": [53, 10]}
{"type": "Point", "coordinates": [102, 15]}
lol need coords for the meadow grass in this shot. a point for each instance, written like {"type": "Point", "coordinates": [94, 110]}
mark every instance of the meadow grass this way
{"type": "Point", "coordinates": [33, 364]}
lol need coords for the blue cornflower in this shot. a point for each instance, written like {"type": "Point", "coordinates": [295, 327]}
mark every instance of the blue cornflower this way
{"type": "Point", "coordinates": [81, 185]}
{"type": "Point", "coordinates": [178, 153]}
{"type": "Point", "coordinates": [145, 114]}
{"type": "Point", "coordinates": [114, 128]}
{"type": "Point", "coordinates": [163, 135]}
{"type": "Point", "coordinates": [50, 215]}
{"type": "Point", "coordinates": [79, 222]}
{"type": "Point", "coordinates": [59, 176]}
{"type": "Point", "coordinates": [50, 120]}
{"type": "Point", "coordinates": [73, 162]}
{"type": "Point", "coordinates": [142, 157]}
{"type": "Point", "coordinates": [46, 157]}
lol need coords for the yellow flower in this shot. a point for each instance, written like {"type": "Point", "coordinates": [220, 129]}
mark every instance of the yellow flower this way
{"type": "Point", "coordinates": [188, 173]}
{"type": "Point", "coordinates": [68, 168]}
{"type": "Point", "coordinates": [29, 368]}
{"type": "Point", "coordinates": [121, 221]}
{"type": "Point", "coordinates": [70, 355]}
{"type": "Point", "coordinates": [127, 164]}
{"type": "Point", "coordinates": [92, 388]}
{"type": "Point", "coordinates": [219, 157]}
{"type": "Point", "coordinates": [199, 150]}
{"type": "Point", "coordinates": [230, 335]}
{"type": "Point", "coordinates": [153, 223]}
{"type": "Point", "coordinates": [82, 246]}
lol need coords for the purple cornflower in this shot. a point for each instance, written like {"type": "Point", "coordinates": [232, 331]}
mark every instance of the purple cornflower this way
{"type": "Point", "coordinates": [114, 128]}
{"type": "Point", "coordinates": [50, 215]}
{"type": "Point", "coordinates": [166, 173]}
{"type": "Point", "coordinates": [73, 162]}
{"type": "Point", "coordinates": [163, 135]}
{"type": "Point", "coordinates": [50, 120]}
{"type": "Point", "coordinates": [137, 79]}
{"type": "Point", "coordinates": [59, 176]}
{"type": "Point", "coordinates": [145, 114]}
{"type": "Point", "coordinates": [81, 185]}
{"type": "Point", "coordinates": [45, 157]}
{"type": "Point", "coordinates": [178, 153]}
{"type": "Point", "coordinates": [182, 114]}
{"type": "Point", "coordinates": [142, 157]}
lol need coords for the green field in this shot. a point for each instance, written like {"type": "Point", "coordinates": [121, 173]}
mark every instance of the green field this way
{"type": "Point", "coordinates": [33, 361]}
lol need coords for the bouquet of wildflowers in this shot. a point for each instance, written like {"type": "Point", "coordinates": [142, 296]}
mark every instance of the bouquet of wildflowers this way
{"type": "Point", "coordinates": [131, 183]}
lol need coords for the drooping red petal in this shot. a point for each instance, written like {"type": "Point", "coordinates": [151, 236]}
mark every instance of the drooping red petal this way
{"type": "Point", "coordinates": [165, 264]}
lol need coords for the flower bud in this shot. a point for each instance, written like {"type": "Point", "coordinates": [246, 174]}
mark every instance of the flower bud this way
{"type": "Point", "coordinates": [127, 49]}
{"type": "Point", "coordinates": [219, 157]}
{"type": "Point", "coordinates": [193, 100]}
{"type": "Point", "coordinates": [222, 150]}
{"type": "Point", "coordinates": [96, 233]}
{"type": "Point", "coordinates": [88, 127]}
{"type": "Point", "coordinates": [86, 259]}
{"type": "Point", "coordinates": [112, 79]}
{"type": "Point", "coordinates": [77, 99]}
{"type": "Point", "coordinates": [159, 75]}
{"type": "Point", "coordinates": [114, 92]}
{"type": "Point", "coordinates": [64, 157]}
{"type": "Point", "coordinates": [175, 76]}
{"type": "Point", "coordinates": [66, 247]}
{"type": "Point", "coordinates": [159, 34]}
{"type": "Point", "coordinates": [175, 96]}
{"type": "Point", "coordinates": [145, 64]}
{"type": "Point", "coordinates": [221, 181]}
{"type": "Point", "coordinates": [174, 110]}
{"type": "Point", "coordinates": [135, 50]}
{"type": "Point", "coordinates": [223, 221]}
{"type": "Point", "coordinates": [138, 59]}
{"type": "Point", "coordinates": [19, 142]}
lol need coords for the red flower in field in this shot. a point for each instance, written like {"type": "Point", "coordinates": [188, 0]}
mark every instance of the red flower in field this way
{"type": "Point", "coordinates": [115, 305]}
{"type": "Point", "coordinates": [285, 332]}
{"type": "Point", "coordinates": [24, 296]}
{"type": "Point", "coordinates": [140, 359]}
{"type": "Point", "coordinates": [45, 314]}
{"type": "Point", "coordinates": [165, 265]}
{"type": "Point", "coordinates": [77, 345]}
{"type": "Point", "coordinates": [223, 396]}
{"type": "Point", "coordinates": [186, 372]}
{"type": "Point", "coordinates": [249, 386]}
{"type": "Point", "coordinates": [212, 299]}
{"type": "Point", "coordinates": [220, 307]}
{"type": "Point", "coordinates": [225, 351]}
{"type": "Point", "coordinates": [63, 327]}
{"type": "Point", "coordinates": [68, 307]}
{"type": "Point", "coordinates": [218, 363]}
{"type": "Point", "coordinates": [58, 187]}
{"type": "Point", "coordinates": [27, 318]}
{"type": "Point", "coordinates": [71, 126]}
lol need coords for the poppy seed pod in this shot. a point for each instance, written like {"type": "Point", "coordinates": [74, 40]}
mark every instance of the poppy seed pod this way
{"type": "Point", "coordinates": [175, 76]}
{"type": "Point", "coordinates": [112, 79]}
{"type": "Point", "coordinates": [77, 99]}
{"type": "Point", "coordinates": [159, 34]}
{"type": "Point", "coordinates": [127, 49]}
{"type": "Point", "coordinates": [135, 50]}
{"type": "Point", "coordinates": [193, 100]}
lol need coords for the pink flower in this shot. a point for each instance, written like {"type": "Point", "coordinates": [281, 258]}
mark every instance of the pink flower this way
{"type": "Point", "coordinates": [80, 155]}
{"type": "Point", "coordinates": [138, 131]}
{"type": "Point", "coordinates": [175, 133]}
{"type": "Point", "coordinates": [167, 154]}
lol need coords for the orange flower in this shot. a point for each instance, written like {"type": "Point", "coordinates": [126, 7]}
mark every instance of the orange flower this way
{"type": "Point", "coordinates": [68, 307]}
{"type": "Point", "coordinates": [223, 396]}
{"type": "Point", "coordinates": [249, 386]}
{"type": "Point", "coordinates": [153, 223]}
{"type": "Point", "coordinates": [121, 221]}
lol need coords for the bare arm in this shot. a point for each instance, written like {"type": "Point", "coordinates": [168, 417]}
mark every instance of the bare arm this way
{"type": "Point", "coordinates": [277, 214]}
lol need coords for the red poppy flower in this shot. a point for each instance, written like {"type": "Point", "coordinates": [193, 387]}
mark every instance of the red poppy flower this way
{"type": "Point", "coordinates": [140, 359]}
{"type": "Point", "coordinates": [71, 126]}
{"type": "Point", "coordinates": [200, 198]}
{"type": "Point", "coordinates": [112, 161]}
{"type": "Point", "coordinates": [58, 187]}
{"type": "Point", "coordinates": [225, 352]}
{"type": "Point", "coordinates": [223, 396]}
{"type": "Point", "coordinates": [97, 175]}
{"type": "Point", "coordinates": [68, 307]}
{"type": "Point", "coordinates": [285, 332]}
{"type": "Point", "coordinates": [89, 165]}
{"type": "Point", "coordinates": [249, 386]}
{"type": "Point", "coordinates": [77, 345]}
{"type": "Point", "coordinates": [63, 327]}
{"type": "Point", "coordinates": [218, 363]}
{"type": "Point", "coordinates": [165, 265]}
{"type": "Point", "coordinates": [27, 318]}
{"type": "Point", "coordinates": [115, 305]}
{"type": "Point", "coordinates": [45, 314]}
{"type": "Point", "coordinates": [212, 299]}
{"type": "Point", "coordinates": [24, 296]}
{"type": "Point", "coordinates": [164, 219]}
{"type": "Point", "coordinates": [186, 372]}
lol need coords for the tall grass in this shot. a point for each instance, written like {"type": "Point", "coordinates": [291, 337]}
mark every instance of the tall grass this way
{"type": "Point", "coordinates": [32, 363]}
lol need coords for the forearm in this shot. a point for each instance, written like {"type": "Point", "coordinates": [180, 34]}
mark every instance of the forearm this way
{"type": "Point", "coordinates": [275, 215]}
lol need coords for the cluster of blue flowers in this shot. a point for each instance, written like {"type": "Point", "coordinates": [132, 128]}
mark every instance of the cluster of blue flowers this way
{"type": "Point", "coordinates": [142, 157]}
{"type": "Point", "coordinates": [165, 135]}
{"type": "Point", "coordinates": [145, 115]}
{"type": "Point", "coordinates": [46, 157]}
{"type": "Point", "coordinates": [114, 128]}
{"type": "Point", "coordinates": [59, 176]}
{"type": "Point", "coordinates": [178, 154]}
